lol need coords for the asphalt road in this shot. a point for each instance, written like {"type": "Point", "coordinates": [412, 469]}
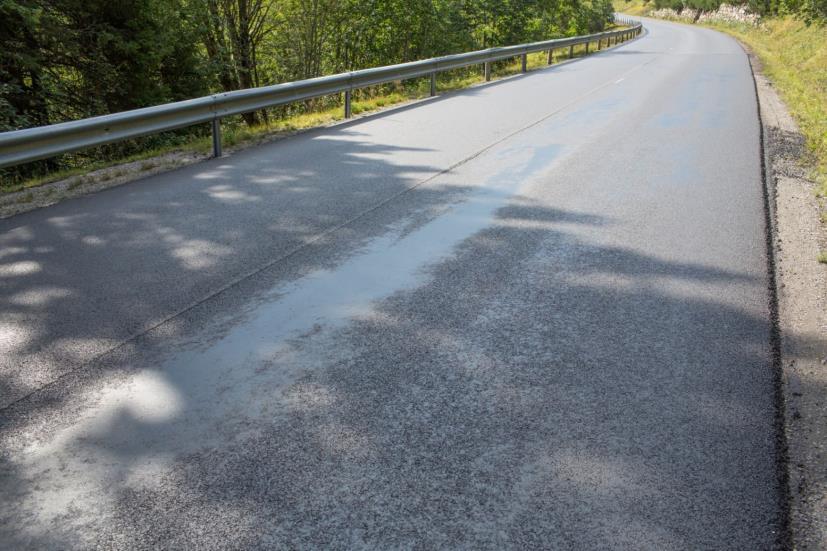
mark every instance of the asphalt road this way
{"type": "Point", "coordinates": [532, 314]}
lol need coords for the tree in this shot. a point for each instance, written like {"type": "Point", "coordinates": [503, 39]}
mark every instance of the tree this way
{"type": "Point", "coordinates": [232, 31]}
{"type": "Point", "coordinates": [23, 93]}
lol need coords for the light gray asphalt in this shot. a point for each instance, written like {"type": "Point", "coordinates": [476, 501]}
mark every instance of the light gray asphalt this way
{"type": "Point", "coordinates": [532, 314]}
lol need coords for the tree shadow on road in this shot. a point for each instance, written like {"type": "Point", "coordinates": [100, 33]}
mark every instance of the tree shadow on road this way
{"type": "Point", "coordinates": [568, 395]}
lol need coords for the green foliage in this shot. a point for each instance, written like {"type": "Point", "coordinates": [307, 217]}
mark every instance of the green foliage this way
{"type": "Point", "coordinates": [676, 5]}
{"type": "Point", "coordinates": [811, 11]}
{"type": "Point", "coordinates": [23, 93]}
{"type": "Point", "coordinates": [66, 59]}
{"type": "Point", "coordinates": [680, 5]}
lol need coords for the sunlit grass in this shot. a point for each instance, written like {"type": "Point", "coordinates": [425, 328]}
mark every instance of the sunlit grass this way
{"type": "Point", "coordinates": [633, 7]}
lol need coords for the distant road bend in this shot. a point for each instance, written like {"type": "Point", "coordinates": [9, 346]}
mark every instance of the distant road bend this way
{"type": "Point", "coordinates": [531, 314]}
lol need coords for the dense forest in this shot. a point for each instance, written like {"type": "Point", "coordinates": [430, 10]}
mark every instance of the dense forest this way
{"type": "Point", "coordinates": [68, 59]}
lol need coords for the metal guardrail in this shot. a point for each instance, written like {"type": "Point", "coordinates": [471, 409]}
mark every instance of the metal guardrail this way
{"type": "Point", "coordinates": [21, 146]}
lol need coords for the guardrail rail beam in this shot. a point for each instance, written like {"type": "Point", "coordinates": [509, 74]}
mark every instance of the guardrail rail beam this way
{"type": "Point", "coordinates": [27, 145]}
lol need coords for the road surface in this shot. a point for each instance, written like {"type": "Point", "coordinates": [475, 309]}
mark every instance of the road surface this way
{"type": "Point", "coordinates": [531, 314]}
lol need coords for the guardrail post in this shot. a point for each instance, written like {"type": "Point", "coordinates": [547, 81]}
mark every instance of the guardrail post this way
{"type": "Point", "coordinates": [348, 108]}
{"type": "Point", "coordinates": [433, 84]}
{"type": "Point", "coordinates": [216, 137]}
{"type": "Point", "coordinates": [487, 71]}
{"type": "Point", "coordinates": [524, 62]}
{"type": "Point", "coordinates": [550, 59]}
{"type": "Point", "coordinates": [587, 47]}
{"type": "Point", "coordinates": [571, 51]}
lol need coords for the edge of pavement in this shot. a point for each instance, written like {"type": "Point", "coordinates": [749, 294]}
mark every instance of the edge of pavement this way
{"type": "Point", "coordinates": [798, 307]}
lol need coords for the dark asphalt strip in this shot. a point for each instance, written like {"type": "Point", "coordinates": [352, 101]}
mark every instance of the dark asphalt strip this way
{"type": "Point", "coordinates": [784, 539]}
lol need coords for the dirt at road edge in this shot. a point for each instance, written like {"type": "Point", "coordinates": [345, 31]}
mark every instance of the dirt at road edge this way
{"type": "Point", "coordinates": [802, 308]}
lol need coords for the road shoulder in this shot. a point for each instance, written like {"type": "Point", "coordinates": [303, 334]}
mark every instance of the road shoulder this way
{"type": "Point", "coordinates": [802, 307]}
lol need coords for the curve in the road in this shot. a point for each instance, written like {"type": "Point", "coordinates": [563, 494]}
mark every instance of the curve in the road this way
{"type": "Point", "coordinates": [529, 314]}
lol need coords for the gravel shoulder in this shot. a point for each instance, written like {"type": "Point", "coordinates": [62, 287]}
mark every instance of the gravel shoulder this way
{"type": "Point", "coordinates": [802, 297]}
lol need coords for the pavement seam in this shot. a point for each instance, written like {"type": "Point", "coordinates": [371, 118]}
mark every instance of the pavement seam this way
{"type": "Point", "coordinates": [313, 240]}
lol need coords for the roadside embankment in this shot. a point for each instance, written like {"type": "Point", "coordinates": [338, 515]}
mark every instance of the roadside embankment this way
{"type": "Point", "coordinates": [801, 284]}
